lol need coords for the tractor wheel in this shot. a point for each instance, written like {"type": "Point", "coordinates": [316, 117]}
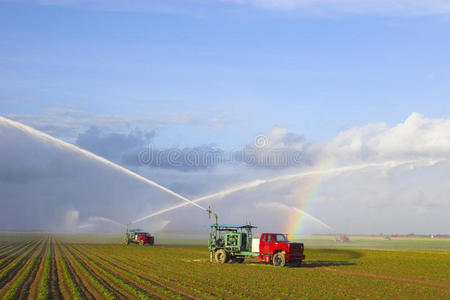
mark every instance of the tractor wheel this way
{"type": "Point", "coordinates": [279, 260]}
{"type": "Point", "coordinates": [221, 256]}
{"type": "Point", "coordinates": [126, 241]}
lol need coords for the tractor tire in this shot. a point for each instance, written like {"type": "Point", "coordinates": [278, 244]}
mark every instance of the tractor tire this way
{"type": "Point", "coordinates": [279, 260]}
{"type": "Point", "coordinates": [221, 256]}
{"type": "Point", "coordinates": [126, 241]}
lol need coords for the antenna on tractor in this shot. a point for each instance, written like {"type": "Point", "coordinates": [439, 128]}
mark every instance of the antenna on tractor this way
{"type": "Point", "coordinates": [210, 212]}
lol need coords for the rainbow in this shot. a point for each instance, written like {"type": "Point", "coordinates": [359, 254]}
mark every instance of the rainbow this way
{"type": "Point", "coordinates": [310, 189]}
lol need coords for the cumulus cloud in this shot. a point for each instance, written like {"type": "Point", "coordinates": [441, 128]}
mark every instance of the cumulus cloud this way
{"type": "Point", "coordinates": [113, 145]}
{"type": "Point", "coordinates": [278, 148]}
{"type": "Point", "coordinates": [185, 159]}
{"type": "Point", "coordinates": [417, 137]}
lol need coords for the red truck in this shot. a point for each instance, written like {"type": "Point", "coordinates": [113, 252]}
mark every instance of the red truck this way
{"type": "Point", "coordinates": [276, 248]}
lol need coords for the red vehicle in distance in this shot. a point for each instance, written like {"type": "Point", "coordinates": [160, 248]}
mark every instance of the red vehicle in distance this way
{"type": "Point", "coordinates": [140, 237]}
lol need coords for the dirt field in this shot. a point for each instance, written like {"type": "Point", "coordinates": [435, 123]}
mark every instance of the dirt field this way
{"type": "Point", "coordinates": [45, 267]}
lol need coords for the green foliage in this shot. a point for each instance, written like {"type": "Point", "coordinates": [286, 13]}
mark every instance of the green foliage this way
{"type": "Point", "coordinates": [12, 291]}
{"type": "Point", "coordinates": [105, 291]}
{"type": "Point", "coordinates": [43, 287]}
{"type": "Point", "coordinates": [72, 286]}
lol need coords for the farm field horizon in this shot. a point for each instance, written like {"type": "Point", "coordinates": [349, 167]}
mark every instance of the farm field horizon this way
{"type": "Point", "coordinates": [54, 267]}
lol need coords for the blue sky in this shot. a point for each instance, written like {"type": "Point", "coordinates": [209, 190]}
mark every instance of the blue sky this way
{"type": "Point", "coordinates": [236, 70]}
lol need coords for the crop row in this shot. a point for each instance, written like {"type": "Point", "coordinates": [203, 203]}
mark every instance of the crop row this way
{"type": "Point", "coordinates": [52, 269]}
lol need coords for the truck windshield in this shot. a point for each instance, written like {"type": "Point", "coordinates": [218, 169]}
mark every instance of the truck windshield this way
{"type": "Point", "coordinates": [281, 238]}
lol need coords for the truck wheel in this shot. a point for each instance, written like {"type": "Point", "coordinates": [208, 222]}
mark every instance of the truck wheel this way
{"type": "Point", "coordinates": [279, 260]}
{"type": "Point", "coordinates": [221, 256]}
{"type": "Point", "coordinates": [141, 243]}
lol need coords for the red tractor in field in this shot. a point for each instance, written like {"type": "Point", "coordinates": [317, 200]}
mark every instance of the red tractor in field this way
{"type": "Point", "coordinates": [138, 236]}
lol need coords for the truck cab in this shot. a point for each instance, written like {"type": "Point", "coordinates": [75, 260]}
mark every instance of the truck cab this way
{"type": "Point", "coordinates": [276, 248]}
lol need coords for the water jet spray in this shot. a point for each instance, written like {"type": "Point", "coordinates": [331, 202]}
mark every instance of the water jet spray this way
{"type": "Point", "coordinates": [59, 143]}
{"type": "Point", "coordinates": [257, 183]}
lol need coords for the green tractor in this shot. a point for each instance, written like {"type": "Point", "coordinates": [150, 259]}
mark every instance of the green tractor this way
{"type": "Point", "coordinates": [230, 242]}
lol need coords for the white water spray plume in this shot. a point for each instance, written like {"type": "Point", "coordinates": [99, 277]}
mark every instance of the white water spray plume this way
{"type": "Point", "coordinates": [61, 144]}
{"type": "Point", "coordinates": [256, 183]}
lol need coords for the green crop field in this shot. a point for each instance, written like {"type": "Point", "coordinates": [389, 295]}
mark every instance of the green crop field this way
{"type": "Point", "coordinates": [50, 267]}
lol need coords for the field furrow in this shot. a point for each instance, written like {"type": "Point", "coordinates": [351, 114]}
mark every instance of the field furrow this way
{"type": "Point", "coordinates": [129, 289]}
{"type": "Point", "coordinates": [24, 288]}
{"type": "Point", "coordinates": [17, 253]}
{"type": "Point", "coordinates": [65, 284]}
{"type": "Point", "coordinates": [5, 251]}
{"type": "Point", "coordinates": [76, 284]}
{"type": "Point", "coordinates": [159, 276]}
{"type": "Point", "coordinates": [15, 265]}
{"type": "Point", "coordinates": [148, 286]}
{"type": "Point", "coordinates": [164, 269]}
{"type": "Point", "coordinates": [52, 284]}
{"type": "Point", "coordinates": [111, 291]}
{"type": "Point", "coordinates": [14, 288]}
{"type": "Point", "coordinates": [91, 287]}
{"type": "Point", "coordinates": [224, 286]}
{"type": "Point", "coordinates": [39, 288]}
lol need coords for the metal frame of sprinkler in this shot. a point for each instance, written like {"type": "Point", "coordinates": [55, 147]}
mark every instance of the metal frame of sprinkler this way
{"type": "Point", "coordinates": [238, 249]}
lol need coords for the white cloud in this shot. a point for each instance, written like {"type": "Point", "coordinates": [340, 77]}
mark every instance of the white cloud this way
{"type": "Point", "coordinates": [417, 137]}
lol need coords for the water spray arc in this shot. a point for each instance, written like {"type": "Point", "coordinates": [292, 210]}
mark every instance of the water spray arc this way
{"type": "Point", "coordinates": [256, 183]}
{"type": "Point", "coordinates": [61, 144]}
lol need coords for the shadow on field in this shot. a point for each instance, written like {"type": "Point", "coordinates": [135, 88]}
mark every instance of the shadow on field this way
{"type": "Point", "coordinates": [324, 263]}
{"type": "Point", "coordinates": [330, 258]}
{"type": "Point", "coordinates": [341, 253]}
